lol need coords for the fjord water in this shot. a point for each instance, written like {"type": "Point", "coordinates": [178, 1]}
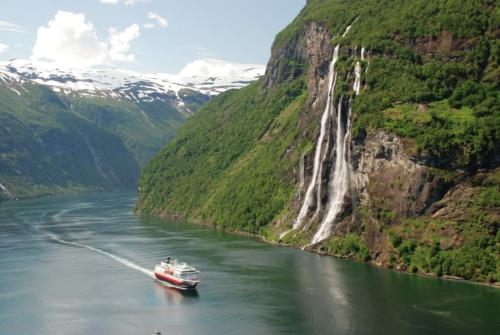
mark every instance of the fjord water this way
{"type": "Point", "coordinates": [81, 265]}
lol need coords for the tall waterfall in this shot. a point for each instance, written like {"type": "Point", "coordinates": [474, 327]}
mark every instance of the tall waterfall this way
{"type": "Point", "coordinates": [339, 187]}
{"type": "Point", "coordinates": [317, 155]}
{"type": "Point", "coordinates": [339, 179]}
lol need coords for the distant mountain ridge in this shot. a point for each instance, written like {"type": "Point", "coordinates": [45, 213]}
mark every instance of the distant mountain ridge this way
{"type": "Point", "coordinates": [208, 77]}
{"type": "Point", "coordinates": [88, 130]}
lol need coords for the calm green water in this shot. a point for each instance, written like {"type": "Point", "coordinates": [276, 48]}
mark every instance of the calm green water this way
{"type": "Point", "coordinates": [80, 265]}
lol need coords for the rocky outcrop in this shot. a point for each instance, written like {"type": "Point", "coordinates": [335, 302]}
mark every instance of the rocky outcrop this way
{"type": "Point", "coordinates": [307, 52]}
{"type": "Point", "coordinates": [388, 185]}
{"type": "Point", "coordinates": [389, 181]}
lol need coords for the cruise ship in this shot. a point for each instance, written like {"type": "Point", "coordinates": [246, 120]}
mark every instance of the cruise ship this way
{"type": "Point", "coordinates": [175, 274]}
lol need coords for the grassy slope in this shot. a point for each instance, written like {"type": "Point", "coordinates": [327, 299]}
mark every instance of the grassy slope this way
{"type": "Point", "coordinates": [45, 149]}
{"type": "Point", "coordinates": [144, 128]}
{"type": "Point", "coordinates": [211, 173]}
{"type": "Point", "coordinates": [230, 165]}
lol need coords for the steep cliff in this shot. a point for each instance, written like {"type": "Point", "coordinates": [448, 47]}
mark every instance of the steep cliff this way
{"type": "Point", "coordinates": [374, 124]}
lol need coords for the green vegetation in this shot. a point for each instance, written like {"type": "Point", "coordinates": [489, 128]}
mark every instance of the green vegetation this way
{"type": "Point", "coordinates": [476, 260]}
{"type": "Point", "coordinates": [464, 243]}
{"type": "Point", "coordinates": [143, 127]}
{"type": "Point", "coordinates": [448, 137]}
{"type": "Point", "coordinates": [46, 149]}
{"type": "Point", "coordinates": [430, 77]}
{"type": "Point", "coordinates": [66, 143]}
{"type": "Point", "coordinates": [350, 245]}
{"type": "Point", "coordinates": [227, 162]}
{"type": "Point", "coordinates": [421, 52]}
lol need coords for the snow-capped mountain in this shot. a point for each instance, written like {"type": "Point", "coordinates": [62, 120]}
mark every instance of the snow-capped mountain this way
{"type": "Point", "coordinates": [208, 77]}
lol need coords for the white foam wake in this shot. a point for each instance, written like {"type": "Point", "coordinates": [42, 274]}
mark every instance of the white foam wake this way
{"type": "Point", "coordinates": [102, 252]}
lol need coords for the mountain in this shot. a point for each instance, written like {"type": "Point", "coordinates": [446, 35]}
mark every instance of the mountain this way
{"type": "Point", "coordinates": [373, 135]}
{"type": "Point", "coordinates": [73, 130]}
{"type": "Point", "coordinates": [47, 149]}
{"type": "Point", "coordinates": [200, 78]}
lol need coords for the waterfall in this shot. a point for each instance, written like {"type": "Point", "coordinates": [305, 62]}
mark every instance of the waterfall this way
{"type": "Point", "coordinates": [346, 31]}
{"type": "Point", "coordinates": [325, 152]}
{"type": "Point", "coordinates": [301, 173]}
{"type": "Point", "coordinates": [317, 155]}
{"type": "Point", "coordinates": [357, 77]}
{"type": "Point", "coordinates": [339, 185]}
{"type": "Point", "coordinates": [340, 179]}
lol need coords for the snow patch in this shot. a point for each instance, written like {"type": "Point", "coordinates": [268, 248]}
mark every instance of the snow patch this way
{"type": "Point", "coordinates": [208, 76]}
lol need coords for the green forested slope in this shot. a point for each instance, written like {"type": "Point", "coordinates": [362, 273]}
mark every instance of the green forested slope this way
{"type": "Point", "coordinates": [143, 127]}
{"type": "Point", "coordinates": [431, 76]}
{"type": "Point", "coordinates": [221, 162]}
{"type": "Point", "coordinates": [45, 149]}
{"type": "Point", "coordinates": [59, 142]}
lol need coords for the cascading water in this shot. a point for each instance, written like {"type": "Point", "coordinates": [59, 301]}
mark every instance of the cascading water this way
{"type": "Point", "coordinates": [339, 186]}
{"type": "Point", "coordinates": [357, 76]}
{"type": "Point", "coordinates": [317, 155]}
{"type": "Point", "coordinates": [340, 179]}
{"type": "Point", "coordinates": [301, 175]}
{"type": "Point", "coordinates": [323, 156]}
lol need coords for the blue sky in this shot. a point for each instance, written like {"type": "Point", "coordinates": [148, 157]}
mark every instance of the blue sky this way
{"type": "Point", "coordinates": [143, 35]}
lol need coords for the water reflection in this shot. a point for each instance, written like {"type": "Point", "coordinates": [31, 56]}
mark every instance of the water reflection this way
{"type": "Point", "coordinates": [247, 287]}
{"type": "Point", "coordinates": [174, 296]}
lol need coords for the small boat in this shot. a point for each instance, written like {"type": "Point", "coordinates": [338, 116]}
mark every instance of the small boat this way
{"type": "Point", "coordinates": [178, 275]}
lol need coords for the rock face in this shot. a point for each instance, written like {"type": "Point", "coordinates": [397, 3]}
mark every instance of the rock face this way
{"type": "Point", "coordinates": [383, 170]}
{"type": "Point", "coordinates": [311, 49]}
{"type": "Point", "coordinates": [388, 185]}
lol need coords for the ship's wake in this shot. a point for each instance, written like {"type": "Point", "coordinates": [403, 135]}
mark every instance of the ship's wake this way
{"type": "Point", "coordinates": [121, 260]}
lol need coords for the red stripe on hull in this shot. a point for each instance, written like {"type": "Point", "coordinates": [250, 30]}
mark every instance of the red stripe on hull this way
{"type": "Point", "coordinates": [174, 281]}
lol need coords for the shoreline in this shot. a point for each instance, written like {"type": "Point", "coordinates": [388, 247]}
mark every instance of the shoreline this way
{"type": "Point", "coordinates": [261, 238]}
{"type": "Point", "coordinates": [371, 263]}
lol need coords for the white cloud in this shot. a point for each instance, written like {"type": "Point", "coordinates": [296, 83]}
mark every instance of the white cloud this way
{"type": "Point", "coordinates": [149, 25]}
{"type": "Point", "coordinates": [69, 41]}
{"type": "Point", "coordinates": [120, 43]}
{"type": "Point", "coordinates": [210, 67]}
{"type": "Point", "coordinates": [133, 2]}
{"type": "Point", "coordinates": [126, 2]}
{"type": "Point", "coordinates": [9, 26]}
{"type": "Point", "coordinates": [3, 47]}
{"type": "Point", "coordinates": [162, 22]}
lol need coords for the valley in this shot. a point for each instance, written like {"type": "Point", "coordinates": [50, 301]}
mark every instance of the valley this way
{"type": "Point", "coordinates": [69, 131]}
